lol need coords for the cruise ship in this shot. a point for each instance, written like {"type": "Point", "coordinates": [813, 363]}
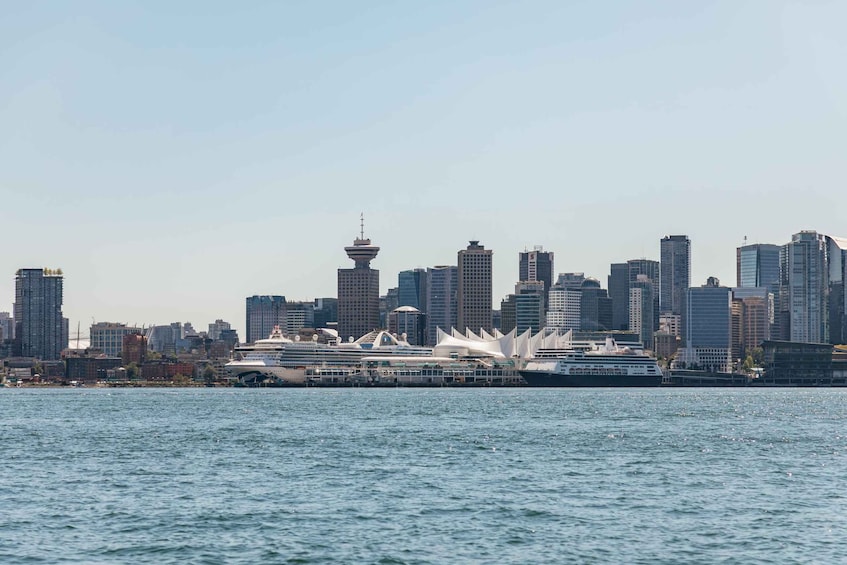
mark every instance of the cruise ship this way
{"type": "Point", "coordinates": [419, 370]}
{"type": "Point", "coordinates": [607, 365]}
{"type": "Point", "coordinates": [279, 360]}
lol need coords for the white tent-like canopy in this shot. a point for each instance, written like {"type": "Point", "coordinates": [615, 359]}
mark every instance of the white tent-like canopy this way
{"type": "Point", "coordinates": [498, 346]}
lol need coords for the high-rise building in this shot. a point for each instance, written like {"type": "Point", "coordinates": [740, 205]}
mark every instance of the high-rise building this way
{"type": "Point", "coordinates": [837, 274]}
{"type": "Point", "coordinates": [388, 302]}
{"type": "Point", "coordinates": [442, 300]}
{"type": "Point", "coordinates": [7, 326]}
{"type": "Point", "coordinates": [475, 288]}
{"type": "Point", "coordinates": [708, 332]}
{"type": "Point", "coordinates": [216, 328]}
{"type": "Point", "coordinates": [326, 312]}
{"type": "Point", "coordinates": [756, 317]}
{"type": "Point", "coordinates": [804, 288]}
{"type": "Point", "coordinates": [595, 308]}
{"type": "Point", "coordinates": [757, 265]}
{"type": "Point", "coordinates": [675, 272]}
{"type": "Point", "coordinates": [508, 314]}
{"type": "Point", "coordinates": [358, 291]}
{"type": "Point", "coordinates": [564, 309]}
{"type": "Point", "coordinates": [167, 339]}
{"type": "Point", "coordinates": [529, 306]}
{"type": "Point", "coordinates": [618, 283]}
{"type": "Point", "coordinates": [411, 288]}
{"type": "Point", "coordinates": [40, 329]}
{"type": "Point", "coordinates": [650, 269]}
{"type": "Point", "coordinates": [641, 304]}
{"type": "Point", "coordinates": [297, 316]}
{"type": "Point", "coordinates": [537, 265]}
{"type": "Point", "coordinates": [263, 313]}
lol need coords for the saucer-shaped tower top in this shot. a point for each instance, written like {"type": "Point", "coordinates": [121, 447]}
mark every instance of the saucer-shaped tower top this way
{"type": "Point", "coordinates": [362, 252]}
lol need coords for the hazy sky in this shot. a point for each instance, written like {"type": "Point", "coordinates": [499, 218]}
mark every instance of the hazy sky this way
{"type": "Point", "coordinates": [175, 157]}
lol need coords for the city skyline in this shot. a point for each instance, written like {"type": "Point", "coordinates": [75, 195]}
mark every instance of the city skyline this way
{"type": "Point", "coordinates": [175, 160]}
{"type": "Point", "coordinates": [513, 270]}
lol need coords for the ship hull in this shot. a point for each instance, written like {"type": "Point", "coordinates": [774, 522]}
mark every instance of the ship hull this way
{"type": "Point", "coordinates": [549, 379]}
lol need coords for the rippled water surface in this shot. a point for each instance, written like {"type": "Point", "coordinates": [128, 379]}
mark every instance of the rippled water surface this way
{"type": "Point", "coordinates": [422, 476]}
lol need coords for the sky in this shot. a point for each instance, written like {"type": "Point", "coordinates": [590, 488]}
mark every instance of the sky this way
{"type": "Point", "coordinates": [173, 158]}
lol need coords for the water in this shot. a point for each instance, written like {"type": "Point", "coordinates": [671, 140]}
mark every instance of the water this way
{"type": "Point", "coordinates": [422, 476]}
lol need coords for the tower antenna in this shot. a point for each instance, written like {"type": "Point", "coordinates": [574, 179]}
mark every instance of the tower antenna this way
{"type": "Point", "coordinates": [362, 225]}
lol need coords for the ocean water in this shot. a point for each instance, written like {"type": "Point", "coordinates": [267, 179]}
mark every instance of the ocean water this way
{"type": "Point", "coordinates": [423, 476]}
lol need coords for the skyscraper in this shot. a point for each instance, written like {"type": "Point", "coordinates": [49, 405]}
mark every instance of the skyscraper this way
{"type": "Point", "coordinates": [595, 307]}
{"type": "Point", "coordinates": [358, 291]}
{"type": "Point", "coordinates": [411, 289]}
{"type": "Point", "coordinates": [442, 299]}
{"type": "Point", "coordinates": [40, 329]}
{"type": "Point", "coordinates": [641, 309]}
{"type": "Point", "coordinates": [650, 269]}
{"type": "Point", "coordinates": [837, 273]}
{"type": "Point", "coordinates": [675, 256]}
{"type": "Point", "coordinates": [708, 320]}
{"type": "Point", "coordinates": [263, 313]}
{"type": "Point", "coordinates": [757, 265]}
{"type": "Point", "coordinates": [804, 288]}
{"type": "Point", "coordinates": [537, 265]}
{"type": "Point", "coordinates": [529, 306]}
{"type": "Point", "coordinates": [618, 283]}
{"type": "Point", "coordinates": [756, 316]}
{"type": "Point", "coordinates": [475, 288]}
{"type": "Point", "coordinates": [564, 311]}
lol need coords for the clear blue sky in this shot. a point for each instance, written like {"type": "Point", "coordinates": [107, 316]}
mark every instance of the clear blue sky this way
{"type": "Point", "coordinates": [175, 157]}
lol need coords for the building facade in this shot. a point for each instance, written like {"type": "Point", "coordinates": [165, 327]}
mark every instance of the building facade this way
{"type": "Point", "coordinates": [408, 321]}
{"type": "Point", "coordinates": [134, 349]}
{"type": "Point", "coordinates": [108, 337]}
{"type": "Point", "coordinates": [475, 293]}
{"type": "Point", "coordinates": [40, 329]}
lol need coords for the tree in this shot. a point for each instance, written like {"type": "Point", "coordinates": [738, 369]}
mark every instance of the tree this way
{"type": "Point", "coordinates": [132, 371]}
{"type": "Point", "coordinates": [208, 374]}
{"type": "Point", "coordinates": [758, 355]}
{"type": "Point", "coordinates": [180, 379]}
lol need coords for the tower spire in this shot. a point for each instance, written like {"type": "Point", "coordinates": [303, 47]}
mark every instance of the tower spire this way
{"type": "Point", "coordinates": [362, 252]}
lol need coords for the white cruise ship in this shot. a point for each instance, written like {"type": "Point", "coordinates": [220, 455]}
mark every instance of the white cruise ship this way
{"type": "Point", "coordinates": [608, 365]}
{"type": "Point", "coordinates": [279, 360]}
